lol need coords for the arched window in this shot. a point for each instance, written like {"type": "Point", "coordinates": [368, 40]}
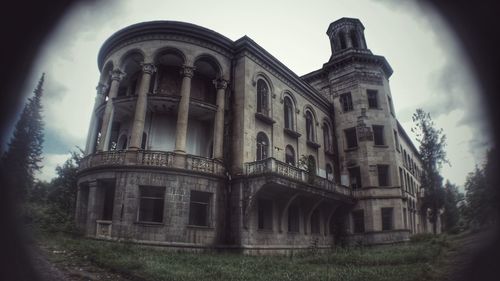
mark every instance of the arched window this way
{"type": "Point", "coordinates": [262, 97]}
{"type": "Point", "coordinates": [262, 146]}
{"type": "Point", "coordinates": [309, 126]}
{"type": "Point", "coordinates": [311, 164]}
{"type": "Point", "coordinates": [329, 172]}
{"type": "Point", "coordinates": [288, 113]}
{"type": "Point", "coordinates": [326, 137]}
{"type": "Point", "coordinates": [289, 155]}
{"type": "Point", "coordinates": [144, 139]}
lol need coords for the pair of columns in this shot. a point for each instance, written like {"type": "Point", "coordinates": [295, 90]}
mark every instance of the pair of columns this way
{"type": "Point", "coordinates": [148, 69]}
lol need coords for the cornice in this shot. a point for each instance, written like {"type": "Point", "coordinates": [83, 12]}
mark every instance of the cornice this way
{"type": "Point", "coordinates": [247, 47]}
{"type": "Point", "coordinates": [165, 30]}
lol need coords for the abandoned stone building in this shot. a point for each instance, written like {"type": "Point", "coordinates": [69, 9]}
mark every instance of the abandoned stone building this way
{"type": "Point", "coordinates": [198, 141]}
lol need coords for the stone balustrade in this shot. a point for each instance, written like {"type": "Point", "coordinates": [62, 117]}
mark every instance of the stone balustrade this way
{"type": "Point", "coordinates": [150, 158]}
{"type": "Point", "coordinates": [273, 166]}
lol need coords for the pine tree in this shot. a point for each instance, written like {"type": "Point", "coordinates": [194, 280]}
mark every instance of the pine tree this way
{"type": "Point", "coordinates": [24, 154]}
{"type": "Point", "coordinates": [432, 143]}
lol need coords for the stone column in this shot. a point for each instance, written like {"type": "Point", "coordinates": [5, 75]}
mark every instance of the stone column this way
{"type": "Point", "coordinates": [116, 76]}
{"type": "Point", "coordinates": [91, 209]}
{"type": "Point", "coordinates": [221, 86]}
{"type": "Point", "coordinates": [141, 106]}
{"type": "Point", "coordinates": [183, 114]}
{"type": "Point", "coordinates": [92, 133]}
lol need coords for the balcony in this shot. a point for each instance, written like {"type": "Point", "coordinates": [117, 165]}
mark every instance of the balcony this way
{"type": "Point", "coordinates": [152, 159]}
{"type": "Point", "coordinates": [271, 166]}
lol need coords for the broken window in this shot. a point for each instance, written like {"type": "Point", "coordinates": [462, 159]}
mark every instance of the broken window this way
{"type": "Point", "coordinates": [289, 155]}
{"type": "Point", "coordinates": [262, 146]}
{"type": "Point", "coordinates": [288, 113]}
{"type": "Point", "coordinates": [265, 214]}
{"type": "Point", "coordinates": [387, 218]}
{"type": "Point", "coordinates": [383, 175]}
{"type": "Point", "coordinates": [199, 208]}
{"type": "Point", "coordinates": [355, 177]}
{"type": "Point", "coordinates": [151, 203]}
{"type": "Point", "coordinates": [372, 98]}
{"type": "Point", "coordinates": [358, 221]}
{"type": "Point", "coordinates": [293, 218]}
{"type": "Point", "coordinates": [309, 126]}
{"type": "Point", "coordinates": [378, 135]}
{"type": "Point", "coordinates": [351, 137]}
{"type": "Point", "coordinates": [262, 97]}
{"type": "Point", "coordinates": [346, 102]}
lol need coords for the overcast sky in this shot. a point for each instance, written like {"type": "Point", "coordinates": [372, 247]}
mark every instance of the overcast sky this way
{"type": "Point", "coordinates": [429, 70]}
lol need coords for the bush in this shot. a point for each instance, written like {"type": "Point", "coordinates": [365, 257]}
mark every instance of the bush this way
{"type": "Point", "coordinates": [422, 237]}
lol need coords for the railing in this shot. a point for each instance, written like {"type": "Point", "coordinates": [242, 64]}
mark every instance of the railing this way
{"type": "Point", "coordinates": [271, 165]}
{"type": "Point", "coordinates": [149, 158]}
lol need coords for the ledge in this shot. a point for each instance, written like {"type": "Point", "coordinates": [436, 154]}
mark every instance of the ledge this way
{"type": "Point", "coordinates": [292, 133]}
{"type": "Point", "coordinates": [264, 118]}
{"type": "Point", "coordinates": [351, 149]}
{"type": "Point", "coordinates": [381, 145]}
{"type": "Point", "coordinates": [313, 144]}
{"type": "Point", "coordinates": [149, 223]}
{"type": "Point", "coordinates": [201, 227]}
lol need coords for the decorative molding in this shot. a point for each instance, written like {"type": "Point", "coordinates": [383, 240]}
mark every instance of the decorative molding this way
{"type": "Point", "coordinates": [187, 71]}
{"type": "Point", "coordinates": [117, 74]}
{"type": "Point", "coordinates": [148, 68]}
{"type": "Point", "coordinates": [101, 88]}
{"type": "Point", "coordinates": [220, 83]}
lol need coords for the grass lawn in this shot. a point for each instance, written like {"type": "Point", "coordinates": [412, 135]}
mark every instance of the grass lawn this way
{"type": "Point", "coordinates": [411, 261]}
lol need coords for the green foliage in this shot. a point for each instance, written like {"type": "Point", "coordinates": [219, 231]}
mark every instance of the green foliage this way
{"type": "Point", "coordinates": [412, 261]}
{"type": "Point", "coordinates": [24, 154]}
{"type": "Point", "coordinates": [481, 196]}
{"type": "Point", "coordinates": [451, 215]}
{"type": "Point", "coordinates": [52, 205]}
{"type": "Point", "coordinates": [432, 143]}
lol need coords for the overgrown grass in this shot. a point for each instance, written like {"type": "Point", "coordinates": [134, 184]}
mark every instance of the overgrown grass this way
{"type": "Point", "coordinates": [411, 261]}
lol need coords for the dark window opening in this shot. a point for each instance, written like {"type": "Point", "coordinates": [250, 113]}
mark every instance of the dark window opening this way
{"type": "Point", "coordinates": [144, 140]}
{"type": "Point", "coordinates": [383, 175]}
{"type": "Point", "coordinates": [326, 137]}
{"type": "Point", "coordinates": [289, 155]}
{"type": "Point", "coordinates": [113, 140]}
{"type": "Point", "coordinates": [288, 113]}
{"type": "Point", "coordinates": [396, 139]}
{"type": "Point", "coordinates": [351, 137]}
{"type": "Point", "coordinates": [315, 222]}
{"type": "Point", "coordinates": [346, 102]}
{"type": "Point", "coordinates": [311, 164]}
{"type": "Point", "coordinates": [355, 177]}
{"type": "Point", "coordinates": [358, 221]}
{"type": "Point", "coordinates": [378, 135]}
{"type": "Point", "coordinates": [354, 39]}
{"type": "Point", "coordinates": [265, 214]}
{"type": "Point", "coordinates": [309, 126]}
{"type": "Point", "coordinates": [262, 97]}
{"type": "Point", "coordinates": [372, 98]}
{"type": "Point", "coordinates": [391, 106]}
{"type": "Point", "coordinates": [151, 203]}
{"type": "Point", "coordinates": [262, 146]}
{"type": "Point", "coordinates": [293, 218]}
{"type": "Point", "coordinates": [387, 218]}
{"type": "Point", "coordinates": [199, 208]}
{"type": "Point", "coordinates": [109, 201]}
{"type": "Point", "coordinates": [342, 40]}
{"type": "Point", "coordinates": [329, 172]}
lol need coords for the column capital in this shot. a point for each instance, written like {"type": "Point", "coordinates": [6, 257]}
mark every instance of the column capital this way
{"type": "Point", "coordinates": [220, 83]}
{"type": "Point", "coordinates": [187, 71]}
{"type": "Point", "coordinates": [148, 68]}
{"type": "Point", "coordinates": [117, 75]}
{"type": "Point", "coordinates": [101, 88]}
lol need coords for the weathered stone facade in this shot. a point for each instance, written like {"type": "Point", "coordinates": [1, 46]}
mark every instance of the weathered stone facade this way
{"type": "Point", "coordinates": [198, 141]}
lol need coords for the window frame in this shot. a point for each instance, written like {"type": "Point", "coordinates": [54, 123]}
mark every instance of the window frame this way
{"type": "Point", "coordinates": [358, 221]}
{"type": "Point", "coordinates": [206, 204]}
{"type": "Point", "coordinates": [309, 126]}
{"type": "Point", "coordinates": [262, 148]}
{"type": "Point", "coordinates": [142, 197]}
{"type": "Point", "coordinates": [288, 111]}
{"type": "Point", "coordinates": [346, 103]}
{"type": "Point", "coordinates": [355, 138]}
{"type": "Point", "coordinates": [387, 218]}
{"type": "Point", "coordinates": [372, 97]}
{"type": "Point", "coordinates": [290, 148]}
{"type": "Point", "coordinates": [262, 97]}
{"type": "Point", "coordinates": [378, 135]}
{"type": "Point", "coordinates": [387, 175]}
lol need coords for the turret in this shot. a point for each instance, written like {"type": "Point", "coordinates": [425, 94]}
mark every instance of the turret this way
{"type": "Point", "coordinates": [346, 33]}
